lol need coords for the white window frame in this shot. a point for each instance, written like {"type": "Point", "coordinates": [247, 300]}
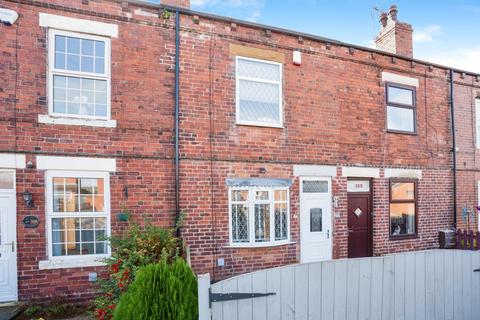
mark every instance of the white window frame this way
{"type": "Point", "coordinates": [477, 122]}
{"type": "Point", "coordinates": [88, 75]}
{"type": "Point", "coordinates": [237, 95]}
{"type": "Point", "coordinates": [251, 216]}
{"type": "Point", "coordinates": [49, 214]}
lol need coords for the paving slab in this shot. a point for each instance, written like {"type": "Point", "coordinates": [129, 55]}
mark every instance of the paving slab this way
{"type": "Point", "coordinates": [10, 311]}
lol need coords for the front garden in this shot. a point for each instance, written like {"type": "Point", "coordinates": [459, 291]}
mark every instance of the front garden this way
{"type": "Point", "coordinates": [148, 278]}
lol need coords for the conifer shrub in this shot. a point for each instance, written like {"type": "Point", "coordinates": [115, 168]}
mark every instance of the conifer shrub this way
{"type": "Point", "coordinates": [160, 291]}
{"type": "Point", "coordinates": [138, 246]}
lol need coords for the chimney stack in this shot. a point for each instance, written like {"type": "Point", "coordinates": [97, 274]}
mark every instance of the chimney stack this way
{"type": "Point", "coordinates": [177, 3]}
{"type": "Point", "coordinates": [395, 36]}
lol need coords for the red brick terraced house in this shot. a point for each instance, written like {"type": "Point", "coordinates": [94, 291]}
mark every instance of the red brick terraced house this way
{"type": "Point", "coordinates": [279, 147]}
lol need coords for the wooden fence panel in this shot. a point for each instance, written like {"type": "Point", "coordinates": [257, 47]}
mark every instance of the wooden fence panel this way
{"type": "Point", "coordinates": [410, 297]}
{"type": "Point", "coordinates": [245, 305]}
{"type": "Point", "coordinates": [449, 282]}
{"type": "Point", "coordinates": [420, 285]}
{"type": "Point", "coordinates": [457, 285]}
{"type": "Point", "coordinates": [314, 290]}
{"type": "Point", "coordinates": [467, 284]}
{"type": "Point", "coordinates": [287, 302]}
{"type": "Point", "coordinates": [476, 285]}
{"type": "Point", "coordinates": [439, 286]}
{"type": "Point", "coordinates": [377, 297]}
{"type": "Point", "coordinates": [273, 302]}
{"type": "Point", "coordinates": [429, 284]}
{"type": "Point", "coordinates": [434, 284]}
{"type": "Point", "coordinates": [353, 271]}
{"type": "Point", "coordinates": [301, 291]}
{"type": "Point", "coordinates": [365, 289]}
{"type": "Point", "coordinates": [259, 305]}
{"type": "Point", "coordinates": [328, 287]}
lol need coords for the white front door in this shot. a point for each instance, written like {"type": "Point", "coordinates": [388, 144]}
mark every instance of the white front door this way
{"type": "Point", "coordinates": [316, 219]}
{"type": "Point", "coordinates": [8, 237]}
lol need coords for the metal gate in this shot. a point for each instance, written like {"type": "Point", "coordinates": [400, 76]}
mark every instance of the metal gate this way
{"type": "Point", "coordinates": [434, 284]}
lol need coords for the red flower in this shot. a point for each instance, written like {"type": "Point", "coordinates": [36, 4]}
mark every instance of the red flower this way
{"type": "Point", "coordinates": [115, 267]}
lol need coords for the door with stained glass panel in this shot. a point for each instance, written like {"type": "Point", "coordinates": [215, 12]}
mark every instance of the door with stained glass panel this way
{"type": "Point", "coordinates": [316, 219]}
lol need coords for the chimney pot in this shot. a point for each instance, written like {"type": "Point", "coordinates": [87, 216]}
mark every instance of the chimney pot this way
{"type": "Point", "coordinates": [383, 19]}
{"type": "Point", "coordinates": [395, 36]}
{"type": "Point", "coordinates": [393, 12]}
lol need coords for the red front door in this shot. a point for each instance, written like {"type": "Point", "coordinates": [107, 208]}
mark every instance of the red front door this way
{"type": "Point", "coordinates": [359, 225]}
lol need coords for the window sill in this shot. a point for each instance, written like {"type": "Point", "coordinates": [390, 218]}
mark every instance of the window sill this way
{"type": "Point", "coordinates": [260, 245]}
{"type": "Point", "coordinates": [402, 132]}
{"type": "Point", "coordinates": [404, 237]}
{"type": "Point", "coordinates": [71, 263]}
{"type": "Point", "coordinates": [260, 125]}
{"type": "Point", "coordinates": [42, 118]}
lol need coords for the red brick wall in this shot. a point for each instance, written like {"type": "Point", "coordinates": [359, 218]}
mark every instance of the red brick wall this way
{"type": "Point", "coordinates": [334, 115]}
{"type": "Point", "coordinates": [466, 89]}
{"type": "Point", "coordinates": [142, 144]}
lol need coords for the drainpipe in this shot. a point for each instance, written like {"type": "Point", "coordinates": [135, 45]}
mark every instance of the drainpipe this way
{"type": "Point", "coordinates": [454, 152]}
{"type": "Point", "coordinates": [177, 115]}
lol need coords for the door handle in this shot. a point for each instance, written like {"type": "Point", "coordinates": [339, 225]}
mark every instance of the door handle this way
{"type": "Point", "coordinates": [11, 244]}
{"type": "Point", "coordinates": [328, 233]}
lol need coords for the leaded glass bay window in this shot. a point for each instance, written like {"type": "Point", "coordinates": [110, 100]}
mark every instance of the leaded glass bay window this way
{"type": "Point", "coordinates": [78, 214]}
{"type": "Point", "coordinates": [259, 215]}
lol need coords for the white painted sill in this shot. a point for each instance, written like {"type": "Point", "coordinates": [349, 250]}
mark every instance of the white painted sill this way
{"type": "Point", "coordinates": [47, 119]}
{"type": "Point", "coordinates": [260, 124]}
{"type": "Point", "coordinates": [260, 245]}
{"type": "Point", "coordinates": [71, 263]}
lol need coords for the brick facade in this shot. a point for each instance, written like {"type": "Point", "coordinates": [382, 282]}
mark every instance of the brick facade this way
{"type": "Point", "coordinates": [466, 90]}
{"type": "Point", "coordinates": [334, 115]}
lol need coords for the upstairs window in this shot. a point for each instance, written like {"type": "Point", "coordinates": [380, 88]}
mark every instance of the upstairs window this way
{"type": "Point", "coordinates": [259, 216]}
{"type": "Point", "coordinates": [79, 75]}
{"type": "Point", "coordinates": [401, 109]}
{"type": "Point", "coordinates": [259, 92]}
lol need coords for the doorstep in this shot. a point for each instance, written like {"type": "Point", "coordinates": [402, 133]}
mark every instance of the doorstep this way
{"type": "Point", "coordinates": [10, 310]}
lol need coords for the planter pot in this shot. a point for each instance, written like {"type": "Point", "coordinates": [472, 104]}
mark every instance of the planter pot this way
{"type": "Point", "coordinates": [122, 216]}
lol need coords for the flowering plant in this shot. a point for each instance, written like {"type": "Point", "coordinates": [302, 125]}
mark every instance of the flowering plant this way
{"type": "Point", "coordinates": [139, 246]}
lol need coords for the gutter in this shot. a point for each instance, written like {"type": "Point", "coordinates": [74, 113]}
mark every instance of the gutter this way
{"type": "Point", "coordinates": [177, 115]}
{"type": "Point", "coordinates": [454, 151]}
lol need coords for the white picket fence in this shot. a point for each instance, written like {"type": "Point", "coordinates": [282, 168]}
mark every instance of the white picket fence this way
{"type": "Point", "coordinates": [434, 284]}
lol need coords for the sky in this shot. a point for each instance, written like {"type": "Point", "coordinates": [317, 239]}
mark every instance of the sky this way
{"type": "Point", "coordinates": [445, 31]}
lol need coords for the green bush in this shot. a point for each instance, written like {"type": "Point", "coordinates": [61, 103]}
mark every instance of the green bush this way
{"type": "Point", "coordinates": [139, 246]}
{"type": "Point", "coordinates": [161, 291]}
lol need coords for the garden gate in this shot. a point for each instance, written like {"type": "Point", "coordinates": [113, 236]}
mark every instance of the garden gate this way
{"type": "Point", "coordinates": [434, 284]}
